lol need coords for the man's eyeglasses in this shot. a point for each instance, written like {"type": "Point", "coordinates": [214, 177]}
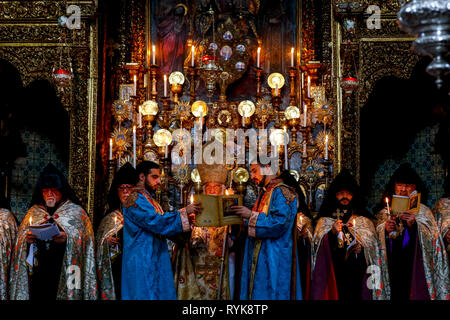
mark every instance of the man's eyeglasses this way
{"type": "Point", "coordinates": [124, 188]}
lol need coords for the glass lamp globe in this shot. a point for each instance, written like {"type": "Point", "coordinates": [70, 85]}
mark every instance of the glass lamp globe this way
{"type": "Point", "coordinates": [149, 108]}
{"type": "Point", "coordinates": [276, 80]}
{"type": "Point", "coordinates": [246, 108]}
{"type": "Point", "coordinates": [162, 138]}
{"type": "Point", "coordinates": [176, 78]}
{"type": "Point", "coordinates": [199, 107]}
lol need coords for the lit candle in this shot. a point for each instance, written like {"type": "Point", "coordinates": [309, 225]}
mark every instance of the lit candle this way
{"type": "Point", "coordinates": [305, 117]}
{"type": "Point", "coordinates": [286, 162]}
{"type": "Point", "coordinates": [257, 56]}
{"type": "Point", "coordinates": [134, 146]}
{"type": "Point", "coordinates": [135, 85]}
{"type": "Point", "coordinates": [165, 86]}
{"type": "Point", "coordinates": [292, 57]}
{"type": "Point", "coordinates": [140, 117]}
{"type": "Point", "coordinates": [31, 221]}
{"type": "Point", "coordinates": [326, 147]}
{"type": "Point", "coordinates": [226, 192]}
{"type": "Point", "coordinates": [192, 56]}
{"type": "Point", "coordinates": [115, 225]}
{"type": "Point", "coordinates": [110, 148]}
{"type": "Point", "coordinates": [387, 206]}
{"type": "Point", "coordinates": [309, 87]}
{"type": "Point", "coordinates": [153, 54]}
{"type": "Point", "coordinates": [191, 200]}
{"type": "Point", "coordinates": [276, 89]}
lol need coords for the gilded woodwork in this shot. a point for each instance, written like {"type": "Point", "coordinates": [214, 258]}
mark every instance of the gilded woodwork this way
{"type": "Point", "coordinates": [29, 39]}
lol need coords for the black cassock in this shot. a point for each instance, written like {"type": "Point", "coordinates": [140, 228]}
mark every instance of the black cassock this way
{"type": "Point", "coordinates": [44, 280]}
{"type": "Point", "coordinates": [349, 271]}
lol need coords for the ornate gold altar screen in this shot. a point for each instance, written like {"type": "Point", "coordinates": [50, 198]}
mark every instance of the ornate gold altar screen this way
{"type": "Point", "coordinates": [146, 118]}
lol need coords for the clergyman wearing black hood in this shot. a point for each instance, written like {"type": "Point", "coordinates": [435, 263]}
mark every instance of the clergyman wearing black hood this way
{"type": "Point", "coordinates": [344, 246]}
{"type": "Point", "coordinates": [109, 239]}
{"type": "Point", "coordinates": [62, 268]}
{"type": "Point", "coordinates": [415, 256]}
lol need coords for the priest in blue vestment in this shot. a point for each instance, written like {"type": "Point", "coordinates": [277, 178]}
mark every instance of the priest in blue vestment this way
{"type": "Point", "coordinates": [270, 269]}
{"type": "Point", "coordinates": [146, 269]}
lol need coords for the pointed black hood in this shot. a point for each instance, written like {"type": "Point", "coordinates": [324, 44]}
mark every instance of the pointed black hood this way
{"type": "Point", "coordinates": [51, 177]}
{"type": "Point", "coordinates": [343, 181]}
{"type": "Point", "coordinates": [125, 175]}
{"type": "Point", "coordinates": [405, 174]}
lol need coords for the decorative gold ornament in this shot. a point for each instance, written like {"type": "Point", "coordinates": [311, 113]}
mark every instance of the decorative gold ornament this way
{"type": "Point", "coordinates": [149, 108]}
{"type": "Point", "coordinates": [195, 176]}
{"type": "Point", "coordinates": [276, 80]}
{"type": "Point", "coordinates": [292, 112]}
{"type": "Point", "coordinates": [219, 134]}
{"type": "Point", "coordinates": [120, 139]}
{"type": "Point", "coordinates": [241, 175]}
{"type": "Point", "coordinates": [224, 117]}
{"type": "Point", "coordinates": [176, 78]}
{"type": "Point", "coordinates": [181, 174]}
{"type": "Point", "coordinates": [162, 138]}
{"type": "Point", "coordinates": [295, 174]}
{"type": "Point", "coordinates": [199, 107]}
{"type": "Point", "coordinates": [246, 108]}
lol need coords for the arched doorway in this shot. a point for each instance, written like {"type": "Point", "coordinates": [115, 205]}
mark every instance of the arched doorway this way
{"type": "Point", "coordinates": [41, 124]}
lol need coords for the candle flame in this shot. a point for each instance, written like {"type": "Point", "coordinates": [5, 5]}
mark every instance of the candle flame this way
{"type": "Point", "coordinates": [387, 200]}
{"type": "Point", "coordinates": [134, 78]}
{"type": "Point", "coordinates": [134, 129]}
{"type": "Point", "coordinates": [326, 138]}
{"type": "Point", "coordinates": [259, 49]}
{"type": "Point", "coordinates": [192, 198]}
{"type": "Point", "coordinates": [31, 221]}
{"type": "Point", "coordinates": [165, 78]}
{"type": "Point", "coordinates": [226, 192]}
{"type": "Point", "coordinates": [193, 48]}
{"type": "Point", "coordinates": [153, 47]}
{"type": "Point", "coordinates": [301, 220]}
{"type": "Point", "coordinates": [292, 50]}
{"type": "Point", "coordinates": [115, 220]}
{"type": "Point", "coordinates": [354, 223]}
{"type": "Point", "coordinates": [110, 142]}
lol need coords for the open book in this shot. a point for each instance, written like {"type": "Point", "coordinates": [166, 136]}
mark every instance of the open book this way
{"type": "Point", "coordinates": [45, 231]}
{"type": "Point", "coordinates": [217, 210]}
{"type": "Point", "coordinates": [403, 203]}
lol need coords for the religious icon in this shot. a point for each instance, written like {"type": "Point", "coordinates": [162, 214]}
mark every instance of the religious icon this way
{"type": "Point", "coordinates": [240, 66]}
{"type": "Point", "coordinates": [226, 52]}
{"type": "Point", "coordinates": [240, 48]}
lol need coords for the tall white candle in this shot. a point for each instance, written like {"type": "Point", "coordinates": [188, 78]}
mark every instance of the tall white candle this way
{"type": "Point", "coordinates": [387, 206]}
{"type": "Point", "coordinates": [309, 87]}
{"type": "Point", "coordinates": [326, 147]}
{"type": "Point", "coordinates": [192, 56]}
{"type": "Point", "coordinates": [166, 151]}
{"type": "Point", "coordinates": [286, 162]}
{"type": "Point", "coordinates": [276, 89]}
{"type": "Point", "coordinates": [153, 54]}
{"type": "Point", "coordinates": [135, 85]}
{"type": "Point", "coordinates": [140, 117]}
{"type": "Point", "coordinates": [257, 56]}
{"type": "Point", "coordinates": [115, 225]}
{"type": "Point", "coordinates": [292, 57]}
{"type": "Point", "coordinates": [31, 221]}
{"type": "Point", "coordinates": [134, 146]}
{"type": "Point", "coordinates": [305, 116]}
{"type": "Point", "coordinates": [110, 148]}
{"type": "Point", "coordinates": [165, 86]}
{"type": "Point", "coordinates": [243, 121]}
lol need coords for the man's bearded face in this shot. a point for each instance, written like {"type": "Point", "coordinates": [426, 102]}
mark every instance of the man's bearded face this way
{"type": "Point", "coordinates": [404, 189]}
{"type": "Point", "coordinates": [258, 173]}
{"type": "Point", "coordinates": [51, 196]}
{"type": "Point", "coordinates": [344, 197]}
{"type": "Point", "coordinates": [153, 180]}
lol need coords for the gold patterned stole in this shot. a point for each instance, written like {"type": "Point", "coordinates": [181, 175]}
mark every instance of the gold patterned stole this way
{"type": "Point", "coordinates": [263, 207]}
{"type": "Point", "coordinates": [154, 203]}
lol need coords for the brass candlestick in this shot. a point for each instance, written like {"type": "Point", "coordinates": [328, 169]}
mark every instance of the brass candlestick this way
{"type": "Point", "coordinates": [292, 76]}
{"type": "Point", "coordinates": [153, 75]}
{"type": "Point", "coordinates": [259, 72]}
{"type": "Point", "coordinates": [191, 74]}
